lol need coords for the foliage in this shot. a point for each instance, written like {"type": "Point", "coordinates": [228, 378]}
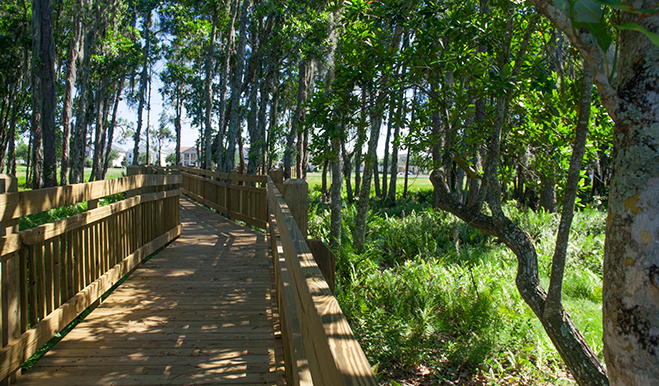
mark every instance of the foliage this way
{"type": "Point", "coordinates": [414, 301]}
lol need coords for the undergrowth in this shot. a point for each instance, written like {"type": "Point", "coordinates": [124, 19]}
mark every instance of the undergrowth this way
{"type": "Point", "coordinates": [415, 301]}
{"type": "Point", "coordinates": [57, 214]}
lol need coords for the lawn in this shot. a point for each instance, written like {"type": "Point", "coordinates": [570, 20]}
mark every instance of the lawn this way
{"type": "Point", "coordinates": [414, 183]}
{"type": "Point", "coordinates": [112, 173]}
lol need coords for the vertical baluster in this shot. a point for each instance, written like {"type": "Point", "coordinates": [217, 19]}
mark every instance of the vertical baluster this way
{"type": "Point", "coordinates": [24, 283]}
{"type": "Point", "coordinates": [57, 272]}
{"type": "Point", "coordinates": [85, 247]}
{"type": "Point", "coordinates": [50, 277]}
{"type": "Point", "coordinates": [32, 294]}
{"type": "Point", "coordinates": [70, 267]}
{"type": "Point", "coordinates": [138, 225]}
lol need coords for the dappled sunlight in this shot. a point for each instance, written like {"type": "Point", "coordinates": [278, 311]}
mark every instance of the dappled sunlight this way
{"type": "Point", "coordinates": [197, 312]}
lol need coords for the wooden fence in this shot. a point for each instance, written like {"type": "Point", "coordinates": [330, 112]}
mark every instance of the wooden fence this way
{"type": "Point", "coordinates": [53, 272]}
{"type": "Point", "coordinates": [229, 194]}
{"type": "Point", "coordinates": [319, 346]}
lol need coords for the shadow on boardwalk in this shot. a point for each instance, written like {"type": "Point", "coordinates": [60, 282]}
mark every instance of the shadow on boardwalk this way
{"type": "Point", "coordinates": [199, 312]}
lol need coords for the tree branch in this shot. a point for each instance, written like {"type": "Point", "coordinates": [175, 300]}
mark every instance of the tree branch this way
{"type": "Point", "coordinates": [588, 48]}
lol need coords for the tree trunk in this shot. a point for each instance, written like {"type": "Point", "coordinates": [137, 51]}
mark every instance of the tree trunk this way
{"type": "Point", "coordinates": [235, 114]}
{"type": "Point", "coordinates": [305, 83]}
{"type": "Point", "coordinates": [113, 123]}
{"type": "Point", "coordinates": [144, 77]}
{"type": "Point", "coordinates": [324, 196]}
{"type": "Point", "coordinates": [364, 193]}
{"type": "Point", "coordinates": [548, 193]}
{"type": "Point", "coordinates": [394, 148]}
{"type": "Point", "coordinates": [224, 78]}
{"type": "Point", "coordinates": [347, 171]}
{"type": "Point", "coordinates": [272, 122]}
{"type": "Point", "coordinates": [99, 137]}
{"type": "Point", "coordinates": [376, 177]}
{"type": "Point", "coordinates": [71, 73]}
{"type": "Point", "coordinates": [208, 92]}
{"type": "Point", "coordinates": [43, 95]}
{"type": "Point", "coordinates": [385, 162]}
{"type": "Point", "coordinates": [631, 255]}
{"type": "Point", "coordinates": [76, 174]}
{"type": "Point", "coordinates": [335, 196]}
{"type": "Point", "coordinates": [177, 125]}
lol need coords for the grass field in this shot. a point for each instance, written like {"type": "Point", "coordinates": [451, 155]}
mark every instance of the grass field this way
{"type": "Point", "coordinates": [414, 183]}
{"type": "Point", "coordinates": [112, 173]}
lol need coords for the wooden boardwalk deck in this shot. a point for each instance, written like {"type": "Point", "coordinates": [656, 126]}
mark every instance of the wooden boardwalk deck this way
{"type": "Point", "coordinates": [199, 312]}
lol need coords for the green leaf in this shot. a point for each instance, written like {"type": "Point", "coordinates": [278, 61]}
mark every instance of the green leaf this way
{"type": "Point", "coordinates": [586, 11]}
{"type": "Point", "coordinates": [562, 4]}
{"type": "Point", "coordinates": [624, 7]}
{"type": "Point", "coordinates": [600, 31]}
{"type": "Point", "coordinates": [654, 38]}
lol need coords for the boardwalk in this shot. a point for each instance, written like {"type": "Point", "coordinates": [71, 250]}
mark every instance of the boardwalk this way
{"type": "Point", "coordinates": [199, 312]}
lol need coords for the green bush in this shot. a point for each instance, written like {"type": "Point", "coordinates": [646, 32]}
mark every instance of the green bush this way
{"type": "Point", "coordinates": [413, 299]}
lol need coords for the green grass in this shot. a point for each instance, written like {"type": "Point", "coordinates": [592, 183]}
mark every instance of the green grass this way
{"type": "Point", "coordinates": [414, 183]}
{"type": "Point", "coordinates": [415, 301]}
{"type": "Point", "coordinates": [21, 171]}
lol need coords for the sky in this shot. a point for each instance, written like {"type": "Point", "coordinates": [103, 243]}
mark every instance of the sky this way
{"type": "Point", "coordinates": [188, 134]}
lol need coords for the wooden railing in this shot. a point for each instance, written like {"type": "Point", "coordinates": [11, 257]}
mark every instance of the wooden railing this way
{"type": "Point", "coordinates": [319, 346]}
{"type": "Point", "coordinates": [53, 272]}
{"type": "Point", "coordinates": [229, 194]}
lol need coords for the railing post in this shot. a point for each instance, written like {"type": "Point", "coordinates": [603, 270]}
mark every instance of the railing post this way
{"type": "Point", "coordinates": [10, 300]}
{"type": "Point", "coordinates": [277, 176]}
{"type": "Point", "coordinates": [134, 170]}
{"type": "Point", "coordinates": [8, 184]}
{"type": "Point", "coordinates": [296, 195]}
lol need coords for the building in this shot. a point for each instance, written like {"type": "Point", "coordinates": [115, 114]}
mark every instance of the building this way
{"type": "Point", "coordinates": [401, 165]}
{"type": "Point", "coordinates": [189, 156]}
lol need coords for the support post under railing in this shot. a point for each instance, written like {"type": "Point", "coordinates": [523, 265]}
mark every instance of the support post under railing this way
{"type": "Point", "coordinates": [296, 195]}
{"type": "Point", "coordinates": [10, 273]}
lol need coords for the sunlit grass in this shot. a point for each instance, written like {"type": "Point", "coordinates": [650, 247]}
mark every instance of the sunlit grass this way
{"type": "Point", "coordinates": [413, 300]}
{"type": "Point", "coordinates": [414, 183]}
{"type": "Point", "coordinates": [21, 171]}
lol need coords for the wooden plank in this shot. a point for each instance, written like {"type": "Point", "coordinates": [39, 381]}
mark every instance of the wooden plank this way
{"type": "Point", "coordinates": [13, 242]}
{"type": "Point", "coordinates": [70, 268]}
{"type": "Point", "coordinates": [32, 298]}
{"type": "Point", "coordinates": [50, 277]}
{"type": "Point", "coordinates": [297, 365]}
{"type": "Point", "coordinates": [85, 247]}
{"type": "Point", "coordinates": [22, 256]}
{"type": "Point", "coordinates": [11, 299]}
{"type": "Point", "coordinates": [19, 204]}
{"type": "Point", "coordinates": [23, 347]}
{"type": "Point", "coordinates": [248, 220]}
{"type": "Point", "coordinates": [57, 272]}
{"type": "Point", "coordinates": [204, 181]}
{"type": "Point", "coordinates": [145, 329]}
{"type": "Point", "coordinates": [231, 214]}
{"type": "Point", "coordinates": [41, 281]}
{"type": "Point", "coordinates": [337, 358]}
{"type": "Point", "coordinates": [77, 261]}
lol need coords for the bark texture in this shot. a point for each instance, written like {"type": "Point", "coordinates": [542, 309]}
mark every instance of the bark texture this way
{"type": "Point", "coordinates": [631, 256]}
{"type": "Point", "coordinates": [235, 115]}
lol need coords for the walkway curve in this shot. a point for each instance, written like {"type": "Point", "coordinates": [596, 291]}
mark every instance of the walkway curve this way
{"type": "Point", "coordinates": [199, 312]}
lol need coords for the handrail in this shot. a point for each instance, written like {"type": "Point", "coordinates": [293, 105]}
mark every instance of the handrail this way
{"type": "Point", "coordinates": [238, 202]}
{"type": "Point", "coordinates": [53, 272]}
{"type": "Point", "coordinates": [19, 204]}
{"type": "Point", "coordinates": [319, 346]}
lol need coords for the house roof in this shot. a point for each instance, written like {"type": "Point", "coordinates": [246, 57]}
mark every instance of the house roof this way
{"type": "Point", "coordinates": [189, 150]}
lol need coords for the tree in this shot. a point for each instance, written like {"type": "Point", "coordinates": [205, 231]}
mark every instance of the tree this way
{"type": "Point", "coordinates": [22, 152]}
{"type": "Point", "coordinates": [162, 135]}
{"type": "Point", "coordinates": [171, 159]}
{"type": "Point", "coordinates": [631, 312]}
{"type": "Point", "coordinates": [43, 95]}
